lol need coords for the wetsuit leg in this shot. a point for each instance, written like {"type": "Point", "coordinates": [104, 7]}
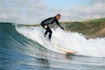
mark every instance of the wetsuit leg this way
{"type": "Point", "coordinates": [45, 33]}
{"type": "Point", "coordinates": [42, 24]}
{"type": "Point", "coordinates": [50, 32]}
{"type": "Point", "coordinates": [47, 30]}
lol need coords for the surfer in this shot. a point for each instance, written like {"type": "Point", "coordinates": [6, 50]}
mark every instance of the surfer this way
{"type": "Point", "coordinates": [45, 24]}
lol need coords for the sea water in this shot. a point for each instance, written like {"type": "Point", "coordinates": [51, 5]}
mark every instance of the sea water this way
{"type": "Point", "coordinates": [25, 48]}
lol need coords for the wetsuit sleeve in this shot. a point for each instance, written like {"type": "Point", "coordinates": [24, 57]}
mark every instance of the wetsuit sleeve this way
{"type": "Point", "coordinates": [59, 24]}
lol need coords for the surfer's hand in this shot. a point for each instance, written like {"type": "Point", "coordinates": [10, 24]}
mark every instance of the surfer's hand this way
{"type": "Point", "coordinates": [45, 26]}
{"type": "Point", "coordinates": [65, 30]}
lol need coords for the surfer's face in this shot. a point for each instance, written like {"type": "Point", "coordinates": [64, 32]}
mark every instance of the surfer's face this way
{"type": "Point", "coordinates": [58, 17]}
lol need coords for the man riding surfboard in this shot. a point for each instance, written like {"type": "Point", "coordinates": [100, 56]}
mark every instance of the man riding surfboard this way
{"type": "Point", "coordinates": [45, 24]}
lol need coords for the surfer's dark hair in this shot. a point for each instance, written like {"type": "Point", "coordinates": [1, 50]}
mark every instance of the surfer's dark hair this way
{"type": "Point", "coordinates": [58, 14]}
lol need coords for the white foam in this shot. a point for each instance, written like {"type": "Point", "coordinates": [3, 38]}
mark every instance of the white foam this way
{"type": "Point", "coordinates": [71, 41]}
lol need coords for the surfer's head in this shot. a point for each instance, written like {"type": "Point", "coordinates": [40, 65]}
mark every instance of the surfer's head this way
{"type": "Point", "coordinates": [58, 16]}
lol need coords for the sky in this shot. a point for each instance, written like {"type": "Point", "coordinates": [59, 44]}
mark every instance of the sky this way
{"type": "Point", "coordinates": [35, 11]}
{"type": "Point", "coordinates": [66, 3]}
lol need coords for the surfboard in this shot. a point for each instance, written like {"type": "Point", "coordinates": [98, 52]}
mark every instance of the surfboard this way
{"type": "Point", "coordinates": [62, 49]}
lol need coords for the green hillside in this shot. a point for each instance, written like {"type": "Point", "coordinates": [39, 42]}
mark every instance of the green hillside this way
{"type": "Point", "coordinates": [90, 28]}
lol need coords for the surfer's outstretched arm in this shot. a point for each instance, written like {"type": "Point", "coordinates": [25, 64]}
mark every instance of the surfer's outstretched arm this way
{"type": "Point", "coordinates": [59, 25]}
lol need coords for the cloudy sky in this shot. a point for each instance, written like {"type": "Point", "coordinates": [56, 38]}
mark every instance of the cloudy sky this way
{"type": "Point", "coordinates": [34, 11]}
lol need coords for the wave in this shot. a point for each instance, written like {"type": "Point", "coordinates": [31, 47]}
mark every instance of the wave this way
{"type": "Point", "coordinates": [30, 41]}
{"type": "Point", "coordinates": [71, 41]}
{"type": "Point", "coordinates": [12, 41]}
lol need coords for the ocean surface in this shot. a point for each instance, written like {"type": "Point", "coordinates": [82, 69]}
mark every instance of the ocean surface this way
{"type": "Point", "coordinates": [25, 48]}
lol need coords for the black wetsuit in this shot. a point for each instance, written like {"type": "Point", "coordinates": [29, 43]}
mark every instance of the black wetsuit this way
{"type": "Point", "coordinates": [48, 21]}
